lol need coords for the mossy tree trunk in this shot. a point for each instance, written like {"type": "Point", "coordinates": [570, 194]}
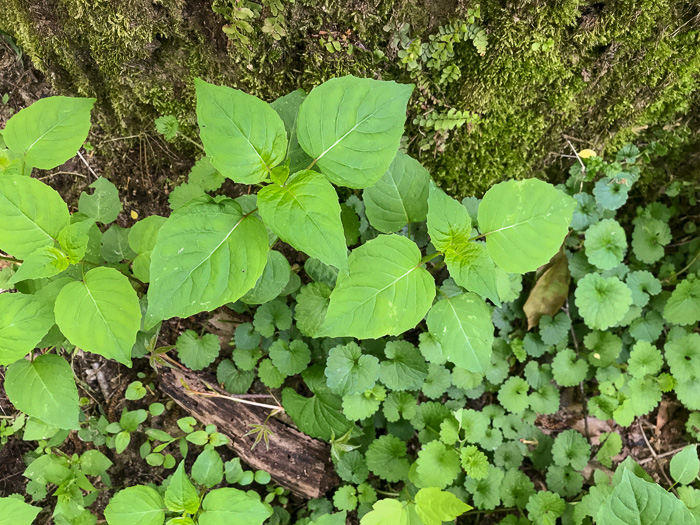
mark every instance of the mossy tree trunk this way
{"type": "Point", "coordinates": [593, 73]}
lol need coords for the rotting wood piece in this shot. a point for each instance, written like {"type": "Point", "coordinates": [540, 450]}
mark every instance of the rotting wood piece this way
{"type": "Point", "coordinates": [295, 461]}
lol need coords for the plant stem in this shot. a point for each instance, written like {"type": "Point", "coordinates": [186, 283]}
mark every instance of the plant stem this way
{"type": "Point", "coordinates": [194, 143]}
{"type": "Point", "coordinates": [679, 272]}
{"type": "Point", "coordinates": [429, 258]}
{"type": "Point", "coordinates": [10, 259]}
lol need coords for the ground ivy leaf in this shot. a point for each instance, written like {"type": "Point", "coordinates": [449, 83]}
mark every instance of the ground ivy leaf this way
{"type": "Point", "coordinates": [399, 197]}
{"type": "Point", "coordinates": [386, 291]}
{"type": "Point", "coordinates": [602, 302]}
{"type": "Point", "coordinates": [605, 244]}
{"type": "Point", "coordinates": [386, 458]}
{"type": "Point", "coordinates": [683, 307]}
{"type": "Point", "coordinates": [434, 506]}
{"type": "Point", "coordinates": [27, 226]}
{"type": "Point", "coordinates": [197, 352]}
{"type": "Point", "coordinates": [634, 500]}
{"type": "Point", "coordinates": [305, 213]}
{"type": "Point", "coordinates": [525, 223]}
{"type": "Point", "coordinates": [243, 136]}
{"type": "Point", "coordinates": [44, 388]}
{"type": "Point", "coordinates": [649, 238]}
{"type": "Point", "coordinates": [104, 204]}
{"type": "Point", "coordinates": [405, 368]}
{"type": "Point", "coordinates": [100, 314]}
{"type": "Point", "coordinates": [207, 254]}
{"type": "Point", "coordinates": [50, 131]}
{"type": "Point", "coordinates": [290, 358]}
{"type": "Point", "coordinates": [348, 370]}
{"type": "Point", "coordinates": [356, 140]}
{"type": "Point", "coordinates": [462, 325]}
{"type": "Point", "coordinates": [24, 321]}
{"type": "Point", "coordinates": [139, 505]}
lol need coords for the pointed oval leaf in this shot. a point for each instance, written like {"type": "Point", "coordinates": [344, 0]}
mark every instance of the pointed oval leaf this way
{"type": "Point", "coordinates": [399, 197]}
{"type": "Point", "coordinates": [272, 282]}
{"type": "Point", "coordinates": [181, 495]}
{"type": "Point", "coordinates": [685, 465]}
{"type": "Point", "coordinates": [352, 128]}
{"type": "Point", "coordinates": [104, 204]}
{"type": "Point", "coordinates": [32, 215]}
{"type": "Point", "coordinates": [100, 314]}
{"type": "Point", "coordinates": [305, 213]}
{"type": "Point", "coordinates": [139, 505]}
{"type": "Point", "coordinates": [43, 262]}
{"type": "Point", "coordinates": [244, 138]}
{"type": "Point", "coordinates": [24, 321]}
{"type": "Point", "coordinates": [449, 224]}
{"type": "Point", "coordinates": [287, 107]}
{"type": "Point", "coordinates": [228, 505]}
{"type": "Point", "coordinates": [472, 268]}
{"type": "Point", "coordinates": [207, 254]}
{"type": "Point", "coordinates": [17, 512]}
{"type": "Point", "coordinates": [50, 131]}
{"type": "Point", "coordinates": [434, 506]}
{"type": "Point", "coordinates": [386, 291]}
{"type": "Point", "coordinates": [525, 223]}
{"type": "Point", "coordinates": [462, 325]}
{"type": "Point", "coordinates": [44, 388]}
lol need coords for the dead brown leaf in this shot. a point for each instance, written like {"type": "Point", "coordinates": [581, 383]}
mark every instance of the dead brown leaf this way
{"type": "Point", "coordinates": [550, 291]}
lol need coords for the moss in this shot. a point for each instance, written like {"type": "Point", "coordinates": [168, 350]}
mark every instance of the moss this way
{"type": "Point", "coordinates": [595, 73]}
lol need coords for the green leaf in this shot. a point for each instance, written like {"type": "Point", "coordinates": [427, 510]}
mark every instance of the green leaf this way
{"type": "Point", "coordinates": [513, 394]}
{"type": "Point", "coordinates": [181, 495]}
{"type": "Point", "coordinates": [287, 107]}
{"type": "Point", "coordinates": [437, 465]}
{"type": "Point", "coordinates": [634, 500]}
{"type": "Point", "coordinates": [605, 244]}
{"type": "Point", "coordinates": [345, 498]}
{"type": "Point", "coordinates": [571, 449]}
{"type": "Point", "coordinates": [229, 505]}
{"type": "Point", "coordinates": [386, 458]}
{"type": "Point", "coordinates": [352, 128]}
{"type": "Point", "coordinates": [32, 215]}
{"type": "Point", "coordinates": [50, 131]}
{"type": "Point", "coordinates": [115, 245]}
{"type": "Point", "coordinates": [361, 405]}
{"type": "Point", "coordinates": [683, 307]}
{"type": "Point", "coordinates": [685, 465]}
{"type": "Point", "coordinates": [305, 213]}
{"type": "Point", "coordinates": [44, 262]}
{"type": "Point", "coordinates": [391, 512]}
{"type": "Point", "coordinates": [290, 358]}
{"type": "Point", "coordinates": [168, 126]}
{"type": "Point", "coordinates": [104, 204]}
{"type": "Point", "coordinates": [434, 506]}
{"type": "Point", "coordinates": [602, 301]}
{"type": "Point", "coordinates": [525, 223]}
{"type": "Point", "coordinates": [44, 388]}
{"type": "Point", "coordinates": [348, 370]}
{"type": "Point", "coordinates": [405, 368]}
{"type": "Point", "coordinates": [449, 224]}
{"type": "Point", "coordinates": [139, 505]}
{"type": "Point", "coordinates": [462, 325]}
{"type": "Point", "coordinates": [197, 352]}
{"type": "Point", "coordinates": [208, 468]}
{"type": "Point", "coordinates": [386, 291]}
{"type": "Point", "coordinates": [100, 314]}
{"type": "Point", "coordinates": [472, 268]}
{"type": "Point", "coordinates": [272, 282]}
{"type": "Point", "coordinates": [399, 197]}
{"type": "Point", "coordinates": [16, 512]}
{"type": "Point", "coordinates": [649, 238]}
{"type": "Point", "coordinates": [242, 135]}
{"type": "Point", "coordinates": [207, 254]}
{"type": "Point", "coordinates": [24, 321]}
{"type": "Point", "coordinates": [311, 307]}
{"type": "Point", "coordinates": [74, 238]}
{"type": "Point", "coordinates": [142, 240]}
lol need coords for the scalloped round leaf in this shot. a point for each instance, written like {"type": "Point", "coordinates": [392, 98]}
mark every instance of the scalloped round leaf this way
{"type": "Point", "coordinates": [207, 254]}
{"type": "Point", "coordinates": [244, 138]}
{"type": "Point", "coordinates": [605, 244]}
{"type": "Point", "coordinates": [100, 314]}
{"type": "Point", "coordinates": [683, 307]}
{"type": "Point", "coordinates": [358, 136]}
{"type": "Point", "coordinates": [386, 458]}
{"type": "Point", "coordinates": [462, 325]}
{"type": "Point", "coordinates": [348, 370]}
{"type": "Point", "coordinates": [50, 131]}
{"type": "Point", "coordinates": [197, 352]}
{"type": "Point", "coordinates": [525, 223]}
{"type": "Point", "coordinates": [649, 238]}
{"type": "Point", "coordinates": [602, 302]}
{"type": "Point", "coordinates": [399, 197]}
{"type": "Point", "coordinates": [305, 213]}
{"type": "Point", "coordinates": [32, 214]}
{"type": "Point", "coordinates": [386, 291]}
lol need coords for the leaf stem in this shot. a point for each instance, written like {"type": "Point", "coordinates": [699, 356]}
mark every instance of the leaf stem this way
{"type": "Point", "coordinates": [10, 259]}
{"type": "Point", "coordinates": [194, 143]}
{"type": "Point", "coordinates": [429, 257]}
{"type": "Point", "coordinates": [679, 272]}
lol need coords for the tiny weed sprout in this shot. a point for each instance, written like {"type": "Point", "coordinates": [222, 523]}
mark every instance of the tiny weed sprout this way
{"type": "Point", "coordinates": [425, 339]}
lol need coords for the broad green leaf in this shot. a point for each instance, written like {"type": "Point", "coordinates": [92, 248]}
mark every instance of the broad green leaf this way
{"type": "Point", "coordinates": [207, 254]}
{"type": "Point", "coordinates": [181, 495]}
{"type": "Point", "coordinates": [44, 388]}
{"type": "Point", "coordinates": [472, 268]}
{"type": "Point", "coordinates": [305, 213]}
{"type": "Point", "coordinates": [208, 468]}
{"type": "Point", "coordinates": [100, 314]}
{"type": "Point", "coordinates": [115, 245]}
{"type": "Point", "coordinates": [352, 128]}
{"type": "Point", "coordinates": [462, 325]}
{"type": "Point", "coordinates": [399, 197]}
{"type": "Point", "coordinates": [434, 506]}
{"type": "Point", "coordinates": [449, 224]}
{"type": "Point", "coordinates": [272, 282]}
{"type": "Point", "coordinates": [386, 291]}
{"type": "Point", "coordinates": [639, 502]}
{"type": "Point", "coordinates": [75, 237]}
{"type": "Point", "coordinates": [104, 204]}
{"type": "Point", "coordinates": [50, 131]}
{"type": "Point", "coordinates": [348, 370]}
{"type": "Point", "coordinates": [243, 136]}
{"type": "Point", "coordinates": [391, 512]}
{"type": "Point", "coordinates": [24, 321]}
{"type": "Point", "coordinates": [525, 223]}
{"type": "Point", "coordinates": [228, 505]}
{"type": "Point", "coordinates": [685, 465]}
{"type": "Point", "coordinates": [142, 239]}
{"type": "Point", "coordinates": [16, 512]}
{"type": "Point", "coordinates": [311, 308]}
{"type": "Point", "coordinates": [287, 107]}
{"type": "Point", "coordinates": [32, 215]}
{"type": "Point", "coordinates": [46, 261]}
{"type": "Point", "coordinates": [139, 505]}
{"type": "Point", "coordinates": [197, 352]}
